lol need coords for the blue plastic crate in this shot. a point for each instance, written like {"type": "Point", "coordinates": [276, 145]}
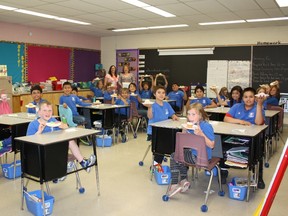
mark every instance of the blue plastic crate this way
{"type": "Point", "coordinates": [8, 170]}
{"type": "Point", "coordinates": [163, 178]}
{"type": "Point", "coordinates": [214, 171]}
{"type": "Point", "coordinates": [107, 141]}
{"type": "Point", "coordinates": [34, 203]}
{"type": "Point", "coordinates": [237, 192]}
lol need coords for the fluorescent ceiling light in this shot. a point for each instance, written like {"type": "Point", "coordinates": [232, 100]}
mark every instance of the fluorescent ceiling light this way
{"type": "Point", "coordinates": [192, 51]}
{"type": "Point", "coordinates": [223, 22]}
{"type": "Point", "coordinates": [282, 3]}
{"type": "Point", "coordinates": [33, 13]}
{"type": "Point", "coordinates": [267, 19]}
{"type": "Point", "coordinates": [149, 8]}
{"type": "Point", "coordinates": [151, 27]}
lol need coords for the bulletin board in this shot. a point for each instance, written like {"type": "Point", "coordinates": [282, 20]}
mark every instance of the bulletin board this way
{"type": "Point", "coordinates": [45, 62]}
{"type": "Point", "coordinates": [12, 55]}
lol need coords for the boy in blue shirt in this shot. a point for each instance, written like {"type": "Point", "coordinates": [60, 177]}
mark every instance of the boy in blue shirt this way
{"type": "Point", "coordinates": [122, 113]}
{"type": "Point", "coordinates": [205, 101]}
{"type": "Point", "coordinates": [70, 100]}
{"type": "Point", "coordinates": [145, 91]}
{"type": "Point", "coordinates": [109, 93]}
{"type": "Point", "coordinates": [46, 123]}
{"type": "Point", "coordinates": [36, 94]}
{"type": "Point", "coordinates": [83, 99]}
{"type": "Point", "coordinates": [99, 89]}
{"type": "Point", "coordinates": [158, 111]}
{"type": "Point", "coordinates": [177, 95]}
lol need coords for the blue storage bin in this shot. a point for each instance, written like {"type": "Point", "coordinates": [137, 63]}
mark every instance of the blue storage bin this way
{"type": "Point", "coordinates": [163, 178]}
{"type": "Point", "coordinates": [237, 191]}
{"type": "Point", "coordinates": [107, 141]}
{"type": "Point", "coordinates": [8, 170]}
{"type": "Point", "coordinates": [214, 170]}
{"type": "Point", "coordinates": [34, 203]}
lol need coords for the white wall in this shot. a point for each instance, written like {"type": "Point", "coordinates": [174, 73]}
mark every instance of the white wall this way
{"type": "Point", "coordinates": [248, 36]}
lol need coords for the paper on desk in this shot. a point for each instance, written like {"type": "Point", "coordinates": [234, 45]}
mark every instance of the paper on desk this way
{"type": "Point", "coordinates": [70, 130]}
{"type": "Point", "coordinates": [239, 130]}
{"type": "Point", "coordinates": [13, 115]}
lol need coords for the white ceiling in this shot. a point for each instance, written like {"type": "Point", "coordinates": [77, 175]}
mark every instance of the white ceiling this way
{"type": "Point", "coordinates": [106, 14]}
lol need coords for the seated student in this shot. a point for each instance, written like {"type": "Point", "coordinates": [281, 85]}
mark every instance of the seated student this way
{"type": "Point", "coordinates": [75, 92]}
{"type": "Point", "coordinates": [222, 96]}
{"type": "Point", "coordinates": [262, 89]}
{"type": "Point", "coordinates": [134, 94]}
{"type": "Point", "coordinates": [198, 117]}
{"type": "Point", "coordinates": [39, 126]}
{"type": "Point", "coordinates": [248, 112]}
{"type": "Point", "coordinates": [177, 95]}
{"type": "Point", "coordinates": [160, 79]}
{"type": "Point", "coordinates": [108, 93]}
{"type": "Point", "coordinates": [70, 100]}
{"type": "Point", "coordinates": [99, 89]}
{"type": "Point", "coordinates": [205, 101]}
{"type": "Point", "coordinates": [145, 89]}
{"type": "Point", "coordinates": [273, 99]}
{"type": "Point", "coordinates": [123, 99]}
{"type": "Point", "coordinates": [36, 94]}
{"type": "Point", "coordinates": [158, 111]}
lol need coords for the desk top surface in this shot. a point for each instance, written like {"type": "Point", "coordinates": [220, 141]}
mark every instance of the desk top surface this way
{"type": "Point", "coordinates": [104, 106]}
{"type": "Point", "coordinates": [9, 120]}
{"type": "Point", "coordinates": [218, 126]}
{"type": "Point", "coordinates": [57, 136]}
{"type": "Point", "coordinates": [22, 115]}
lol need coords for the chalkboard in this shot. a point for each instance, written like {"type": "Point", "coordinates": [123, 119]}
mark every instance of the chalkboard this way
{"type": "Point", "coordinates": [270, 63]}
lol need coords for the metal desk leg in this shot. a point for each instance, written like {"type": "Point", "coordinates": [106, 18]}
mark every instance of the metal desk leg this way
{"type": "Point", "coordinates": [96, 164]}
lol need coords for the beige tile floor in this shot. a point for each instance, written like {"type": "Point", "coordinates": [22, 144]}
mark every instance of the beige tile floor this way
{"type": "Point", "coordinates": [126, 189]}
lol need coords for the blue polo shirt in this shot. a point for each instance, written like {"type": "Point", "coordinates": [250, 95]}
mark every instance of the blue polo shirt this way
{"type": "Point", "coordinates": [34, 125]}
{"type": "Point", "coordinates": [71, 101]}
{"type": "Point", "coordinates": [273, 101]}
{"type": "Point", "coordinates": [97, 92]}
{"type": "Point", "coordinates": [33, 110]}
{"type": "Point", "coordinates": [122, 111]}
{"type": "Point", "coordinates": [160, 113]}
{"type": "Point", "coordinates": [145, 94]}
{"type": "Point", "coordinates": [234, 102]}
{"type": "Point", "coordinates": [134, 98]}
{"type": "Point", "coordinates": [209, 133]}
{"type": "Point", "coordinates": [204, 101]}
{"type": "Point", "coordinates": [238, 111]}
{"type": "Point", "coordinates": [221, 97]}
{"type": "Point", "coordinates": [178, 96]}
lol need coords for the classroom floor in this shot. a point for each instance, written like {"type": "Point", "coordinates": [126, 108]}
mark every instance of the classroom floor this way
{"type": "Point", "coordinates": [126, 189]}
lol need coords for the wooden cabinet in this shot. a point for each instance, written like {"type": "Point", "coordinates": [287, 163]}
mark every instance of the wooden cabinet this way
{"type": "Point", "coordinates": [19, 101]}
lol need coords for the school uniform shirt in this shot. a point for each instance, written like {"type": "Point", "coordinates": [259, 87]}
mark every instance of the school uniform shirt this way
{"type": "Point", "coordinates": [71, 101]}
{"type": "Point", "coordinates": [34, 125]}
{"type": "Point", "coordinates": [33, 110]}
{"type": "Point", "coordinates": [146, 94]}
{"type": "Point", "coordinates": [238, 111]}
{"type": "Point", "coordinates": [223, 98]}
{"type": "Point", "coordinates": [122, 111]}
{"type": "Point", "coordinates": [204, 101]}
{"type": "Point", "coordinates": [82, 98]}
{"type": "Point", "coordinates": [107, 95]}
{"type": "Point", "coordinates": [97, 92]}
{"type": "Point", "coordinates": [134, 99]}
{"type": "Point", "coordinates": [160, 113]}
{"type": "Point", "coordinates": [234, 102]}
{"type": "Point", "coordinates": [272, 101]}
{"type": "Point", "coordinates": [178, 96]}
{"type": "Point", "coordinates": [209, 133]}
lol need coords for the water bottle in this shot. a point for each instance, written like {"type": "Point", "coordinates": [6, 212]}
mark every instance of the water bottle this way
{"type": "Point", "coordinates": [63, 119]}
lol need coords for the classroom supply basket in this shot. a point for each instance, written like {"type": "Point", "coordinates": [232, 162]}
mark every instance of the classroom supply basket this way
{"type": "Point", "coordinates": [107, 141]}
{"type": "Point", "coordinates": [238, 188]}
{"type": "Point", "coordinates": [8, 170]}
{"type": "Point", "coordinates": [34, 202]}
{"type": "Point", "coordinates": [163, 178]}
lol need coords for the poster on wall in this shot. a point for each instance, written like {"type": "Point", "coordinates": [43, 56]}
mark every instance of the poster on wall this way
{"type": "Point", "coordinates": [234, 69]}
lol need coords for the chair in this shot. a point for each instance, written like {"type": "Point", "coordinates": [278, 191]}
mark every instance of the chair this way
{"type": "Point", "coordinates": [141, 120]}
{"type": "Point", "coordinates": [67, 114]}
{"type": "Point", "coordinates": [186, 140]}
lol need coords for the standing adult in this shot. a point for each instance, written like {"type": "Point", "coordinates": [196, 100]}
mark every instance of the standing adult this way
{"type": "Point", "coordinates": [111, 77]}
{"type": "Point", "coordinates": [125, 78]}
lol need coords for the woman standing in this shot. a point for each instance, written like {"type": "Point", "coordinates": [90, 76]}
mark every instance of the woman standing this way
{"type": "Point", "coordinates": [126, 77]}
{"type": "Point", "coordinates": [111, 77]}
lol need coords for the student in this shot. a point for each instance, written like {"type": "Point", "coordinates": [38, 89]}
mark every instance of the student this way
{"type": "Point", "coordinates": [111, 77]}
{"type": "Point", "coordinates": [146, 89]}
{"type": "Point", "coordinates": [262, 89]}
{"type": "Point", "coordinates": [75, 92]}
{"type": "Point", "coordinates": [163, 81]}
{"type": "Point", "coordinates": [177, 95]}
{"type": "Point", "coordinates": [198, 117]}
{"type": "Point", "coordinates": [134, 94]}
{"type": "Point", "coordinates": [36, 94]}
{"type": "Point", "coordinates": [205, 101]}
{"type": "Point", "coordinates": [222, 96]}
{"type": "Point", "coordinates": [126, 77]}
{"type": "Point", "coordinates": [70, 100]}
{"type": "Point", "coordinates": [124, 112]}
{"type": "Point", "coordinates": [99, 89]}
{"type": "Point", "coordinates": [249, 112]}
{"type": "Point", "coordinates": [158, 111]}
{"type": "Point", "coordinates": [40, 125]}
{"type": "Point", "coordinates": [108, 93]}
{"type": "Point", "coordinates": [273, 99]}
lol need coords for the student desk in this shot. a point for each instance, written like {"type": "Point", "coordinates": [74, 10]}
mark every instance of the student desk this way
{"type": "Point", "coordinates": [164, 134]}
{"type": "Point", "coordinates": [22, 115]}
{"type": "Point", "coordinates": [44, 156]}
{"type": "Point", "coordinates": [217, 113]}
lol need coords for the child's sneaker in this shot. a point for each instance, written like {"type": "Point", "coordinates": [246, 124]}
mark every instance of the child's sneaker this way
{"type": "Point", "coordinates": [87, 162]}
{"type": "Point", "coordinates": [175, 188]}
{"type": "Point", "coordinates": [184, 185]}
{"type": "Point", "coordinates": [70, 166]}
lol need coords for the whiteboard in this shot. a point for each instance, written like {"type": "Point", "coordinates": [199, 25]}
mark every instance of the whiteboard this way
{"type": "Point", "coordinates": [216, 75]}
{"type": "Point", "coordinates": [239, 73]}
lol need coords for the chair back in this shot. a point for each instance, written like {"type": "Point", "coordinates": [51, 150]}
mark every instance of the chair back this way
{"type": "Point", "coordinates": [281, 115]}
{"type": "Point", "coordinates": [186, 140]}
{"type": "Point", "coordinates": [67, 113]}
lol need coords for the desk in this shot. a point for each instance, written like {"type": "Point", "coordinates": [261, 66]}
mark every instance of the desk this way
{"type": "Point", "coordinates": [217, 113]}
{"type": "Point", "coordinates": [164, 133]}
{"type": "Point", "coordinates": [44, 156]}
{"type": "Point", "coordinates": [22, 115]}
